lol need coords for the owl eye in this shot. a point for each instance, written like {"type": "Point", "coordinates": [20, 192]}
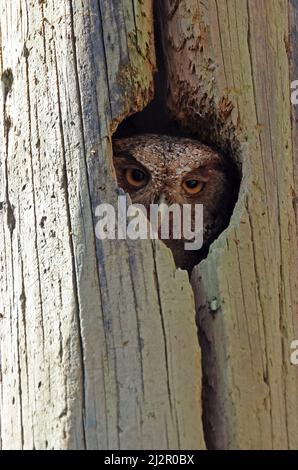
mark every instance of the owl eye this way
{"type": "Point", "coordinates": [193, 186]}
{"type": "Point", "coordinates": [136, 177]}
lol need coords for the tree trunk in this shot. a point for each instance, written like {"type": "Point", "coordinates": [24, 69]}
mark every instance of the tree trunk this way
{"type": "Point", "coordinates": [98, 340]}
{"type": "Point", "coordinates": [230, 65]}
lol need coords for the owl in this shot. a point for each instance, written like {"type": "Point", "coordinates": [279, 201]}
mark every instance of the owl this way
{"type": "Point", "coordinates": [154, 168]}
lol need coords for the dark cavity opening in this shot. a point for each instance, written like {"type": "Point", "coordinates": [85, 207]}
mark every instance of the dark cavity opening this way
{"type": "Point", "coordinates": [204, 125]}
{"type": "Point", "coordinates": [207, 121]}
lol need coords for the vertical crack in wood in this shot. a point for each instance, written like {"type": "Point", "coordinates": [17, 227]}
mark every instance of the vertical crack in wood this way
{"type": "Point", "coordinates": [65, 358]}
{"type": "Point", "coordinates": [163, 326]}
{"type": "Point", "coordinates": [105, 56]}
{"type": "Point", "coordinates": [73, 258]}
{"type": "Point", "coordinates": [132, 270]}
{"type": "Point", "coordinates": [26, 55]}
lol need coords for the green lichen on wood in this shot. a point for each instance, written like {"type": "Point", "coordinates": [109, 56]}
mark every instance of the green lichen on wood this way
{"type": "Point", "coordinates": [134, 76]}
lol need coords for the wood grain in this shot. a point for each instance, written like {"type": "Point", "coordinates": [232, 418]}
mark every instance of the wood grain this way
{"type": "Point", "coordinates": [230, 64]}
{"type": "Point", "coordinates": [97, 338]}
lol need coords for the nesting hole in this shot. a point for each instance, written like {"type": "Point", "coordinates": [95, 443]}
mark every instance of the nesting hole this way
{"type": "Point", "coordinates": [198, 118]}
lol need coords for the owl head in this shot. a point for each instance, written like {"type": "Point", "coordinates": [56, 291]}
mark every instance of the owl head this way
{"type": "Point", "coordinates": [155, 168]}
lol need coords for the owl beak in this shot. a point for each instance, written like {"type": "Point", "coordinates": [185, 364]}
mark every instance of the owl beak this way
{"type": "Point", "coordinates": [162, 199]}
{"type": "Point", "coordinates": [162, 206]}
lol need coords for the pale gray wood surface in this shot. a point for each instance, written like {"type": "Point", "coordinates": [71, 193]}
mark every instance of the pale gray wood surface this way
{"type": "Point", "coordinates": [230, 67]}
{"type": "Point", "coordinates": [97, 339]}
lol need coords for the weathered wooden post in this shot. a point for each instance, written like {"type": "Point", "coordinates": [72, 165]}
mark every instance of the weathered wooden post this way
{"type": "Point", "coordinates": [97, 338]}
{"type": "Point", "coordinates": [230, 66]}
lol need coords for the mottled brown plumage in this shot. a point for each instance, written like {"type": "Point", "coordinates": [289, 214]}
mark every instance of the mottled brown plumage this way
{"type": "Point", "coordinates": [170, 164]}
